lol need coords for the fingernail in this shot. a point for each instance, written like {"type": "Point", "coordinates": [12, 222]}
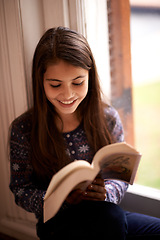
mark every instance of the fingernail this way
{"type": "Point", "coordinates": [84, 193]}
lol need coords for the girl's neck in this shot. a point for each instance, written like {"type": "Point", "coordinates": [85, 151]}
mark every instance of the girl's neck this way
{"type": "Point", "coordinates": [70, 122]}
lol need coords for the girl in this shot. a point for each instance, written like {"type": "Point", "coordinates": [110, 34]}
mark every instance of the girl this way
{"type": "Point", "coordinates": [69, 122]}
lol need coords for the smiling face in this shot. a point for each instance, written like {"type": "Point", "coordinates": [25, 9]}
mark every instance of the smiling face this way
{"type": "Point", "coordinates": [65, 86]}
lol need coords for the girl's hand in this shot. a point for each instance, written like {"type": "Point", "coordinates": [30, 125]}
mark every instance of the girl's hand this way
{"type": "Point", "coordinates": [95, 191]}
{"type": "Point", "coordinates": [75, 197]}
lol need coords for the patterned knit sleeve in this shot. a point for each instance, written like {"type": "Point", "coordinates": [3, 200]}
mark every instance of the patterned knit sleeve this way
{"type": "Point", "coordinates": [26, 194]}
{"type": "Point", "coordinates": [115, 189]}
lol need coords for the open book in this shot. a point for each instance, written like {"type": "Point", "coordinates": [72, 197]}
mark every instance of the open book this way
{"type": "Point", "coordinates": [116, 161]}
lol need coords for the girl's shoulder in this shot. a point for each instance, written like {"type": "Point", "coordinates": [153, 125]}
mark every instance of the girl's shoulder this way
{"type": "Point", "coordinates": [114, 124]}
{"type": "Point", "coordinates": [111, 114]}
{"type": "Point", "coordinates": [23, 123]}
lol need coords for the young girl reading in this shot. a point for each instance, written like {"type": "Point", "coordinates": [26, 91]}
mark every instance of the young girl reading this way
{"type": "Point", "coordinates": [68, 122]}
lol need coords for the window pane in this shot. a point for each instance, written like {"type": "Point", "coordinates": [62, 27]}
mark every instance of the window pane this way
{"type": "Point", "coordinates": [97, 36]}
{"type": "Point", "coordinates": [145, 46]}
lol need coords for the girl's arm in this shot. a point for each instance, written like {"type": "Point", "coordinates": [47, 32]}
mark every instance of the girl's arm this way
{"type": "Point", "coordinates": [26, 194]}
{"type": "Point", "coordinates": [115, 190]}
{"type": "Point", "coordinates": [111, 191]}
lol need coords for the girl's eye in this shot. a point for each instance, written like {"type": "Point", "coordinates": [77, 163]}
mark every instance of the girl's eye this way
{"type": "Point", "coordinates": [55, 86]}
{"type": "Point", "coordinates": [78, 84]}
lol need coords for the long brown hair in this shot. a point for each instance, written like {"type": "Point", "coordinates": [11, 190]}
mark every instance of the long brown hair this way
{"type": "Point", "coordinates": [48, 146]}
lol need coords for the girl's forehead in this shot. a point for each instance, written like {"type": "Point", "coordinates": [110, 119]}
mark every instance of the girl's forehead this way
{"type": "Point", "coordinates": [62, 70]}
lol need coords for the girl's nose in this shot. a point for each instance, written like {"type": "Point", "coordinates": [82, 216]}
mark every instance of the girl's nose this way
{"type": "Point", "coordinates": [68, 93]}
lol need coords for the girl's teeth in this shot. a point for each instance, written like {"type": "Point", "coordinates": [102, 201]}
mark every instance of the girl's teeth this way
{"type": "Point", "coordinates": [67, 102]}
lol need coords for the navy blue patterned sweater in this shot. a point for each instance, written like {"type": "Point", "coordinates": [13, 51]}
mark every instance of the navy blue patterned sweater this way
{"type": "Point", "coordinates": [26, 193]}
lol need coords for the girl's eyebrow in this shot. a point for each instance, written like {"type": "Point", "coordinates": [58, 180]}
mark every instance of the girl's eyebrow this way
{"type": "Point", "coordinates": [81, 76]}
{"type": "Point", "coordinates": [57, 80]}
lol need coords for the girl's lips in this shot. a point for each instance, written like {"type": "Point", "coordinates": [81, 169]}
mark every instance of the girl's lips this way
{"type": "Point", "coordinates": [67, 103]}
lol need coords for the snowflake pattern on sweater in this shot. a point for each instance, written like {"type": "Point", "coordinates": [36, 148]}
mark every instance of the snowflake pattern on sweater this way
{"type": "Point", "coordinates": [26, 193]}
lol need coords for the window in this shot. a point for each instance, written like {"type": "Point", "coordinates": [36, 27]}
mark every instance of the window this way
{"type": "Point", "coordinates": [96, 26]}
{"type": "Point", "coordinates": [145, 39]}
{"type": "Point", "coordinates": [103, 22]}
{"type": "Point", "coordinates": [123, 97]}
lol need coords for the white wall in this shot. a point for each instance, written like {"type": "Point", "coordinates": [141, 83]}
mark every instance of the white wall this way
{"type": "Point", "coordinates": [22, 23]}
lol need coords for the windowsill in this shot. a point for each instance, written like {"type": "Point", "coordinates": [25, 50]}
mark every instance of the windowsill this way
{"type": "Point", "coordinates": [144, 191]}
{"type": "Point", "coordinates": [142, 199]}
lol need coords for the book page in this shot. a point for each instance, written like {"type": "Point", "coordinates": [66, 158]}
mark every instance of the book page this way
{"type": "Point", "coordinates": [64, 173]}
{"type": "Point", "coordinates": [119, 166]}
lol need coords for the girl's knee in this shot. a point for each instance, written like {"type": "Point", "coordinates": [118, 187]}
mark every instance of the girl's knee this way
{"type": "Point", "coordinates": [108, 217]}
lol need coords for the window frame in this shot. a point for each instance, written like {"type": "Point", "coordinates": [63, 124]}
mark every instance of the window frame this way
{"type": "Point", "coordinates": [120, 63]}
{"type": "Point", "coordinates": [121, 96]}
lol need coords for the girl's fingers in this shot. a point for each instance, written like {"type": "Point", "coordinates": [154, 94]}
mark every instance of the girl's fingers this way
{"type": "Point", "coordinates": [94, 196]}
{"type": "Point", "coordinates": [74, 197]}
{"type": "Point", "coordinates": [95, 191]}
{"type": "Point", "coordinates": [96, 188]}
{"type": "Point", "coordinates": [99, 181]}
